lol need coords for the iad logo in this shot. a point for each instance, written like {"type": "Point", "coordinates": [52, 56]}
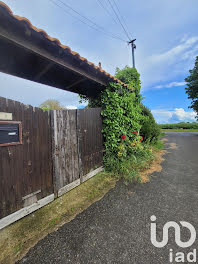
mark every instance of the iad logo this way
{"type": "Point", "coordinates": [166, 227]}
{"type": "Point", "coordinates": [179, 256]}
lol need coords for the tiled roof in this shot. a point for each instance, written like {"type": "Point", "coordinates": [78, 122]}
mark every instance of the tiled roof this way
{"type": "Point", "coordinates": [58, 43]}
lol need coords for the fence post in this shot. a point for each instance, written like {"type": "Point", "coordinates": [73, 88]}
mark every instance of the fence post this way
{"type": "Point", "coordinates": [54, 151]}
{"type": "Point", "coordinates": [78, 142]}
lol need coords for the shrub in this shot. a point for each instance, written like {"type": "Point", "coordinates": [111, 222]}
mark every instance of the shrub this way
{"type": "Point", "coordinates": [149, 130]}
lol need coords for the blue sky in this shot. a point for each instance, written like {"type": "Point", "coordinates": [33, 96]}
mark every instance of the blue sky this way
{"type": "Point", "coordinates": [167, 44]}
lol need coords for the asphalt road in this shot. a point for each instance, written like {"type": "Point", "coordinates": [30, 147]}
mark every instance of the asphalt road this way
{"type": "Point", "coordinates": [116, 229]}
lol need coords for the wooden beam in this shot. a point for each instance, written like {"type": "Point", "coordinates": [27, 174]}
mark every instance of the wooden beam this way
{"type": "Point", "coordinates": [75, 83]}
{"type": "Point", "coordinates": [46, 55]}
{"type": "Point", "coordinates": [40, 74]}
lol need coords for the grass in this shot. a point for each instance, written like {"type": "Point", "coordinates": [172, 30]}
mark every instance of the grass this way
{"type": "Point", "coordinates": [159, 145]}
{"type": "Point", "coordinates": [162, 134]}
{"type": "Point", "coordinates": [130, 168]}
{"type": "Point", "coordinates": [180, 130]}
{"type": "Point", "coordinates": [137, 169]}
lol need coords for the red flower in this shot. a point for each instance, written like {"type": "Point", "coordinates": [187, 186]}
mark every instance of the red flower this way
{"type": "Point", "coordinates": [142, 137]}
{"type": "Point", "coordinates": [123, 137]}
{"type": "Point", "coordinates": [140, 140]}
{"type": "Point", "coordinates": [133, 132]}
{"type": "Point", "coordinates": [137, 132]}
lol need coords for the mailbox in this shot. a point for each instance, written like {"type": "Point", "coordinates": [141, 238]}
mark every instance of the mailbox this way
{"type": "Point", "coordinates": [10, 133]}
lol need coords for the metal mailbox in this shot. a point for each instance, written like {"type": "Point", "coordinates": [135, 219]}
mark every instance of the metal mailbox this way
{"type": "Point", "coordinates": [10, 133]}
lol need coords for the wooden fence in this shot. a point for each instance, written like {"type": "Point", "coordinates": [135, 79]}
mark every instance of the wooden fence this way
{"type": "Point", "coordinates": [77, 146]}
{"type": "Point", "coordinates": [44, 154]}
{"type": "Point", "coordinates": [25, 168]}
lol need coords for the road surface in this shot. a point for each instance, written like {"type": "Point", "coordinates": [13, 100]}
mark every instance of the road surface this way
{"type": "Point", "coordinates": [116, 229]}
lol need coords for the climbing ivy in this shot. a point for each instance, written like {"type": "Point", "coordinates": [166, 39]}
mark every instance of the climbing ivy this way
{"type": "Point", "coordinates": [121, 116]}
{"type": "Point", "coordinates": [122, 120]}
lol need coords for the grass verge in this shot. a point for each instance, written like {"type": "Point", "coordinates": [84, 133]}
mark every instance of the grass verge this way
{"type": "Point", "coordinates": [16, 239]}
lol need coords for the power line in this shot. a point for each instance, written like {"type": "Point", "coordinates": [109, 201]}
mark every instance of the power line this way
{"type": "Point", "coordinates": [133, 46]}
{"type": "Point", "coordinates": [93, 25]}
{"type": "Point", "coordinates": [121, 15]}
{"type": "Point", "coordinates": [119, 19]}
{"type": "Point", "coordinates": [70, 14]}
{"type": "Point", "coordinates": [89, 20]}
{"type": "Point", "coordinates": [107, 11]}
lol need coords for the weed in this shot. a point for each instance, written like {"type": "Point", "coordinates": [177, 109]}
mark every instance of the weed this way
{"type": "Point", "coordinates": [129, 168]}
{"type": "Point", "coordinates": [159, 145]}
{"type": "Point", "coordinates": [162, 134]}
{"type": "Point", "coordinates": [54, 221]}
{"type": "Point", "coordinates": [18, 248]}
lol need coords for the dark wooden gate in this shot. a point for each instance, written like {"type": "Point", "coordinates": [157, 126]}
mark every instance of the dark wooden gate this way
{"type": "Point", "coordinates": [65, 149]}
{"type": "Point", "coordinates": [90, 139]}
{"type": "Point", "coordinates": [77, 146]}
{"type": "Point", "coordinates": [25, 167]}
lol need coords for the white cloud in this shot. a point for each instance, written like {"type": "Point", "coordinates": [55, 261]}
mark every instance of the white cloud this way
{"type": "Point", "coordinates": [71, 107]}
{"type": "Point", "coordinates": [172, 54]}
{"type": "Point", "coordinates": [170, 85]}
{"type": "Point", "coordinates": [173, 116]}
{"type": "Point", "coordinates": [181, 115]}
{"type": "Point", "coordinates": [171, 64]}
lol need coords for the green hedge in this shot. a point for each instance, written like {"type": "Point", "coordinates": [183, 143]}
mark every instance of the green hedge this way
{"type": "Point", "coordinates": [181, 125]}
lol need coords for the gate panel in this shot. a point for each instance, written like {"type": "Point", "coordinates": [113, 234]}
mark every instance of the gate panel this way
{"type": "Point", "coordinates": [66, 165]}
{"type": "Point", "coordinates": [77, 146]}
{"type": "Point", "coordinates": [90, 139]}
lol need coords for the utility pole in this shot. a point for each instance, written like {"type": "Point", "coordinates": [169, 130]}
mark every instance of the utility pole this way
{"type": "Point", "coordinates": [133, 46]}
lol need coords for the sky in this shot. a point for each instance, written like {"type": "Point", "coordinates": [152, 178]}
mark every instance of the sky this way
{"type": "Point", "coordinates": [167, 45]}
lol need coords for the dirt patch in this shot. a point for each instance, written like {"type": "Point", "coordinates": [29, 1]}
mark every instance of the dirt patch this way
{"type": "Point", "coordinates": [164, 139]}
{"type": "Point", "coordinates": [155, 166]}
{"type": "Point", "coordinates": [169, 145]}
{"type": "Point", "coordinates": [172, 145]}
{"type": "Point", "coordinates": [18, 238]}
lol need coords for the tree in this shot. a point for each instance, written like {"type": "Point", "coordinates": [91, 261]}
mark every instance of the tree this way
{"type": "Point", "coordinates": [192, 87]}
{"type": "Point", "coordinates": [51, 104]}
